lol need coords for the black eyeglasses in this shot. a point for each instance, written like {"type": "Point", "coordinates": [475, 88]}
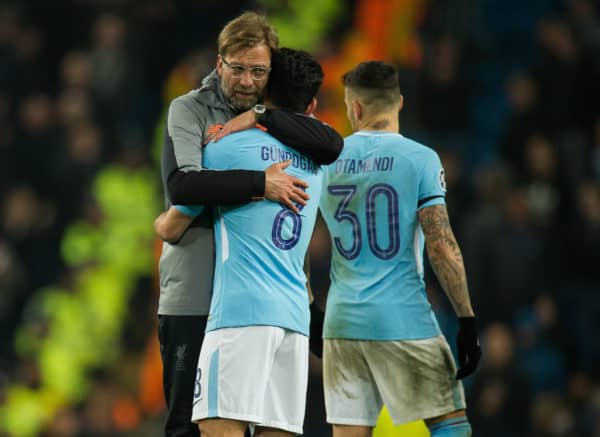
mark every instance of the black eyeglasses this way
{"type": "Point", "coordinates": [256, 73]}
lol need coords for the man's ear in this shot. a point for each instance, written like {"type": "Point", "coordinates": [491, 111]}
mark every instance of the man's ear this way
{"type": "Point", "coordinates": [219, 65]}
{"type": "Point", "coordinates": [312, 106]}
{"type": "Point", "coordinates": [401, 103]}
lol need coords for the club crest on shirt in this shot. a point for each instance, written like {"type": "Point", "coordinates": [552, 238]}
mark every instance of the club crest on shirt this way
{"type": "Point", "coordinates": [443, 179]}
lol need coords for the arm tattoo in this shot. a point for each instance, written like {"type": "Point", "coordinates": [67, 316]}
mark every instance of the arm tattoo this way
{"type": "Point", "coordinates": [445, 257]}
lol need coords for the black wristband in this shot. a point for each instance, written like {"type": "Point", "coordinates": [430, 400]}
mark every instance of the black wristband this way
{"type": "Point", "coordinates": [468, 323]}
{"type": "Point", "coordinates": [258, 186]}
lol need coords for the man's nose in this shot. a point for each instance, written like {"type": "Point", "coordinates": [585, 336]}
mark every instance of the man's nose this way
{"type": "Point", "coordinates": [246, 79]}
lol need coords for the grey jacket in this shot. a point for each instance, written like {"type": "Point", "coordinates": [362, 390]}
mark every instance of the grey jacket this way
{"type": "Point", "coordinates": [186, 268]}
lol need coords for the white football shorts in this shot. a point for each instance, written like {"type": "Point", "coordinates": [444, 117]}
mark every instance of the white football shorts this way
{"type": "Point", "coordinates": [415, 379]}
{"type": "Point", "coordinates": [255, 374]}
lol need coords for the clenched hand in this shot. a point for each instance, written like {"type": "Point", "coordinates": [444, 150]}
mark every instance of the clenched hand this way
{"type": "Point", "coordinates": [469, 350]}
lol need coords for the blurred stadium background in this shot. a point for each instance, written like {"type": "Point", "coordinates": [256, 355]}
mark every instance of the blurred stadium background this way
{"type": "Point", "coordinates": [506, 91]}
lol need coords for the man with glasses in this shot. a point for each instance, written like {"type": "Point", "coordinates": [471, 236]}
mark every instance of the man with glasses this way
{"type": "Point", "coordinates": [260, 308]}
{"type": "Point", "coordinates": [186, 269]}
{"type": "Point", "coordinates": [257, 73]}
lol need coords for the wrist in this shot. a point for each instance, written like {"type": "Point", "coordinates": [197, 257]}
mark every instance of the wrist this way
{"type": "Point", "coordinates": [259, 111]}
{"type": "Point", "coordinates": [467, 323]}
{"type": "Point", "coordinates": [258, 185]}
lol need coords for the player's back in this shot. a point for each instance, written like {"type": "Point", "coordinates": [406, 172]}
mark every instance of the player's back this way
{"type": "Point", "coordinates": [369, 201]}
{"type": "Point", "coordinates": [260, 246]}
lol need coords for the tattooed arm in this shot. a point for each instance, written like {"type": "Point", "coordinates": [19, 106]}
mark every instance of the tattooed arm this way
{"type": "Point", "coordinates": [447, 263]}
{"type": "Point", "coordinates": [445, 257]}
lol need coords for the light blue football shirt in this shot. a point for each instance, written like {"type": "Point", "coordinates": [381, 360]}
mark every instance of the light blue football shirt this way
{"type": "Point", "coordinates": [260, 246]}
{"type": "Point", "coordinates": [369, 200]}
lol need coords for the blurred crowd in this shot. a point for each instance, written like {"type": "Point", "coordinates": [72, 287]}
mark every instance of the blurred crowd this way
{"type": "Point", "coordinates": [506, 92]}
{"type": "Point", "coordinates": [529, 221]}
{"type": "Point", "coordinates": [529, 224]}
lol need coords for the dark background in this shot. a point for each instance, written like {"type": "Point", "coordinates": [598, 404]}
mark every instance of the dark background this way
{"type": "Point", "coordinates": [506, 92]}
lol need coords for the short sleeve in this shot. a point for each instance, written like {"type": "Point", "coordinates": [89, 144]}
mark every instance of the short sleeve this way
{"type": "Point", "coordinates": [190, 211]}
{"type": "Point", "coordinates": [432, 186]}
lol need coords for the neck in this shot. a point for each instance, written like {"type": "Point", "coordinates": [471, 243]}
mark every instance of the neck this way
{"type": "Point", "coordinates": [383, 123]}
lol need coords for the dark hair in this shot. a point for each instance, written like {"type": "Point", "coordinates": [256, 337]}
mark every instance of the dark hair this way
{"type": "Point", "coordinates": [294, 80]}
{"type": "Point", "coordinates": [376, 82]}
{"type": "Point", "coordinates": [372, 74]}
{"type": "Point", "coordinates": [247, 31]}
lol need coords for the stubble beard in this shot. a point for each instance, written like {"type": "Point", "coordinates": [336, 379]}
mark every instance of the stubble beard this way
{"type": "Point", "coordinates": [240, 105]}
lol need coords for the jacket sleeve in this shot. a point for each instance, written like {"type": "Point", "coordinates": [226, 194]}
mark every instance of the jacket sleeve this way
{"type": "Point", "coordinates": [215, 187]}
{"type": "Point", "coordinates": [306, 134]}
{"type": "Point", "coordinates": [185, 181]}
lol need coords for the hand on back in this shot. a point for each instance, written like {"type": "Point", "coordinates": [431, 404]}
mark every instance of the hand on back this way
{"type": "Point", "coordinates": [285, 189]}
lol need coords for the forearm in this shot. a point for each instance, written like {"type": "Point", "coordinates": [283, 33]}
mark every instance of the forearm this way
{"type": "Point", "coordinates": [212, 187]}
{"type": "Point", "coordinates": [170, 227]}
{"type": "Point", "coordinates": [307, 135]}
{"type": "Point", "coordinates": [448, 267]}
{"type": "Point", "coordinates": [446, 258]}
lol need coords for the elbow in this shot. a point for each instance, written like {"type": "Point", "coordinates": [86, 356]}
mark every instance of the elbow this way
{"type": "Point", "coordinates": [436, 250]}
{"type": "Point", "coordinates": [170, 238]}
{"type": "Point", "coordinates": [164, 232]}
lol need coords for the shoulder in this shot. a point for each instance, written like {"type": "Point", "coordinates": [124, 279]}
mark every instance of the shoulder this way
{"type": "Point", "coordinates": [397, 143]}
{"type": "Point", "coordinates": [247, 139]}
{"type": "Point", "coordinates": [352, 139]}
{"type": "Point", "coordinates": [185, 102]}
{"type": "Point", "coordinates": [419, 153]}
{"type": "Point", "coordinates": [251, 135]}
{"type": "Point", "coordinates": [195, 105]}
{"type": "Point", "coordinates": [351, 143]}
{"type": "Point", "coordinates": [207, 95]}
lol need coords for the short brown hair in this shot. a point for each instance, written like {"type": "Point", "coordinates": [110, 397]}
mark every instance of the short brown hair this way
{"type": "Point", "coordinates": [246, 31]}
{"type": "Point", "coordinates": [375, 83]}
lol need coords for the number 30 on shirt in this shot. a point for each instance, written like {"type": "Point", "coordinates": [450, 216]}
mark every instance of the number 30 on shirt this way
{"type": "Point", "coordinates": [342, 213]}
